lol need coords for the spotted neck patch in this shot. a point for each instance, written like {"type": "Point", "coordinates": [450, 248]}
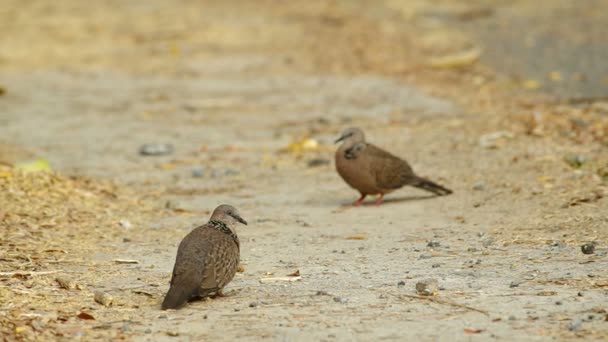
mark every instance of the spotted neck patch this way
{"type": "Point", "coordinates": [353, 152]}
{"type": "Point", "coordinates": [222, 227]}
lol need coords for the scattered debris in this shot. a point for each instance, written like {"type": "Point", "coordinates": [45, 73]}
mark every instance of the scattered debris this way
{"type": "Point", "coordinates": [39, 164]}
{"type": "Point", "coordinates": [356, 237]}
{"type": "Point", "coordinates": [457, 60]}
{"type": "Point", "coordinates": [495, 139]}
{"type": "Point", "coordinates": [433, 243]}
{"type": "Point", "coordinates": [593, 197]}
{"type": "Point", "coordinates": [198, 172]}
{"type": "Point", "coordinates": [472, 331]}
{"type": "Point", "coordinates": [427, 287]}
{"type": "Point", "coordinates": [340, 300]}
{"type": "Point", "coordinates": [103, 298]}
{"type": "Point", "coordinates": [67, 283]}
{"type": "Point", "coordinates": [588, 248]}
{"type": "Point", "coordinates": [576, 160]}
{"type": "Point", "coordinates": [279, 279]}
{"type": "Point", "coordinates": [126, 261]}
{"type": "Point", "coordinates": [318, 162]}
{"type": "Point", "coordinates": [85, 316]}
{"type": "Point", "coordinates": [172, 333]}
{"type": "Point", "coordinates": [294, 274]}
{"type": "Point", "coordinates": [125, 224]}
{"type": "Point", "coordinates": [479, 186]}
{"type": "Point", "coordinates": [156, 149]}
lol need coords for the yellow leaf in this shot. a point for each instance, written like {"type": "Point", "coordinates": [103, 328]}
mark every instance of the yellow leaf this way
{"type": "Point", "coordinates": [456, 60]}
{"type": "Point", "coordinates": [40, 164]}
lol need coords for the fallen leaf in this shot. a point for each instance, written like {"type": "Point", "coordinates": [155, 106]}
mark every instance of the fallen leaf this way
{"type": "Point", "coordinates": [456, 60]}
{"type": "Point", "coordinates": [472, 331]}
{"type": "Point", "coordinates": [356, 237]}
{"type": "Point", "coordinates": [84, 315]}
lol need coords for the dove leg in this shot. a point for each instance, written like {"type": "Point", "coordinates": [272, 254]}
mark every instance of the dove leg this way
{"type": "Point", "coordinates": [220, 294]}
{"type": "Point", "coordinates": [357, 202]}
{"type": "Point", "coordinates": [379, 200]}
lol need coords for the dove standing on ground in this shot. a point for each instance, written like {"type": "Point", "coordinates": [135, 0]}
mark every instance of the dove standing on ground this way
{"type": "Point", "coordinates": [371, 170]}
{"type": "Point", "coordinates": [207, 259]}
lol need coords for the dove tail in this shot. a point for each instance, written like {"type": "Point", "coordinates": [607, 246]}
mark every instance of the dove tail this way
{"type": "Point", "coordinates": [429, 186]}
{"type": "Point", "coordinates": [176, 297]}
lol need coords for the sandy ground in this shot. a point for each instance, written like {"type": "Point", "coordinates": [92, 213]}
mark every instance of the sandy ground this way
{"type": "Point", "coordinates": [231, 85]}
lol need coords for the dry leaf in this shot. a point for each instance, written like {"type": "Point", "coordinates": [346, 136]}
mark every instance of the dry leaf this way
{"type": "Point", "coordinates": [456, 60]}
{"type": "Point", "coordinates": [472, 331]}
{"type": "Point", "coordinates": [356, 237]}
{"type": "Point", "coordinates": [84, 315]}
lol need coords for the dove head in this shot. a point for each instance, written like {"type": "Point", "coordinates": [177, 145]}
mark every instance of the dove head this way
{"type": "Point", "coordinates": [351, 136]}
{"type": "Point", "coordinates": [227, 214]}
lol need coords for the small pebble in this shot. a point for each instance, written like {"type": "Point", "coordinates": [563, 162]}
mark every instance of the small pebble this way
{"type": "Point", "coordinates": [340, 300]}
{"type": "Point", "coordinates": [487, 242]}
{"type": "Point", "coordinates": [126, 240]}
{"type": "Point", "coordinates": [512, 318]}
{"type": "Point", "coordinates": [148, 331]}
{"type": "Point", "coordinates": [172, 204]}
{"type": "Point", "coordinates": [156, 149]}
{"type": "Point", "coordinates": [588, 248]}
{"type": "Point", "coordinates": [198, 172]}
{"type": "Point", "coordinates": [575, 325]}
{"type": "Point", "coordinates": [559, 302]}
{"type": "Point", "coordinates": [433, 243]}
{"type": "Point", "coordinates": [436, 265]}
{"type": "Point", "coordinates": [427, 287]}
{"type": "Point", "coordinates": [172, 333]}
{"type": "Point", "coordinates": [425, 256]}
{"type": "Point", "coordinates": [580, 293]}
{"type": "Point", "coordinates": [401, 283]}
{"type": "Point", "coordinates": [162, 316]}
{"type": "Point", "coordinates": [125, 327]}
{"type": "Point", "coordinates": [103, 298]}
{"type": "Point", "coordinates": [479, 186]}
{"type": "Point", "coordinates": [253, 304]}
{"type": "Point", "coordinates": [514, 283]}
{"type": "Point", "coordinates": [156, 226]}
{"type": "Point", "coordinates": [125, 224]}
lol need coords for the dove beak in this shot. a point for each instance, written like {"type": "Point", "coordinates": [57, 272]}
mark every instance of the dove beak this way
{"type": "Point", "coordinates": [339, 139]}
{"type": "Point", "coordinates": [240, 219]}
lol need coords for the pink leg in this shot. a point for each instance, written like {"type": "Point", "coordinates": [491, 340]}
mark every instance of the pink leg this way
{"type": "Point", "coordinates": [379, 200]}
{"type": "Point", "coordinates": [357, 202]}
{"type": "Point", "coordinates": [220, 294]}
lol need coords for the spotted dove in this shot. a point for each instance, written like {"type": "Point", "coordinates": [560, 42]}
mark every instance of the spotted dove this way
{"type": "Point", "coordinates": [371, 170]}
{"type": "Point", "coordinates": [207, 259]}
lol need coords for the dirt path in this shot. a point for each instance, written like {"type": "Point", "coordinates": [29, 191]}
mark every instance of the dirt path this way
{"type": "Point", "coordinates": [231, 98]}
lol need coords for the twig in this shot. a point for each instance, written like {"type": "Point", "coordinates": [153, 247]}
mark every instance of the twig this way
{"type": "Point", "coordinates": [32, 273]}
{"type": "Point", "coordinates": [439, 301]}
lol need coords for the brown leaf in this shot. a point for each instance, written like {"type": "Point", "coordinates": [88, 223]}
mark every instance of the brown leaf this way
{"type": "Point", "coordinates": [356, 237]}
{"type": "Point", "coordinates": [84, 315]}
{"type": "Point", "coordinates": [294, 274]}
{"type": "Point", "coordinates": [472, 331]}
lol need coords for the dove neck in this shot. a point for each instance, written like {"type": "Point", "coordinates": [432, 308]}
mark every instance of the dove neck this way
{"type": "Point", "coordinates": [222, 227]}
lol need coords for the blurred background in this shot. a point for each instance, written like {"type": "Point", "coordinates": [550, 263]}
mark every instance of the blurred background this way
{"type": "Point", "coordinates": [147, 114]}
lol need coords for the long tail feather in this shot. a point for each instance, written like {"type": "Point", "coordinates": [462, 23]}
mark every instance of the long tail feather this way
{"type": "Point", "coordinates": [435, 188]}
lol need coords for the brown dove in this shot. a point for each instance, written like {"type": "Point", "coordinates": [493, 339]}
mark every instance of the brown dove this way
{"type": "Point", "coordinates": [371, 170]}
{"type": "Point", "coordinates": [207, 259]}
